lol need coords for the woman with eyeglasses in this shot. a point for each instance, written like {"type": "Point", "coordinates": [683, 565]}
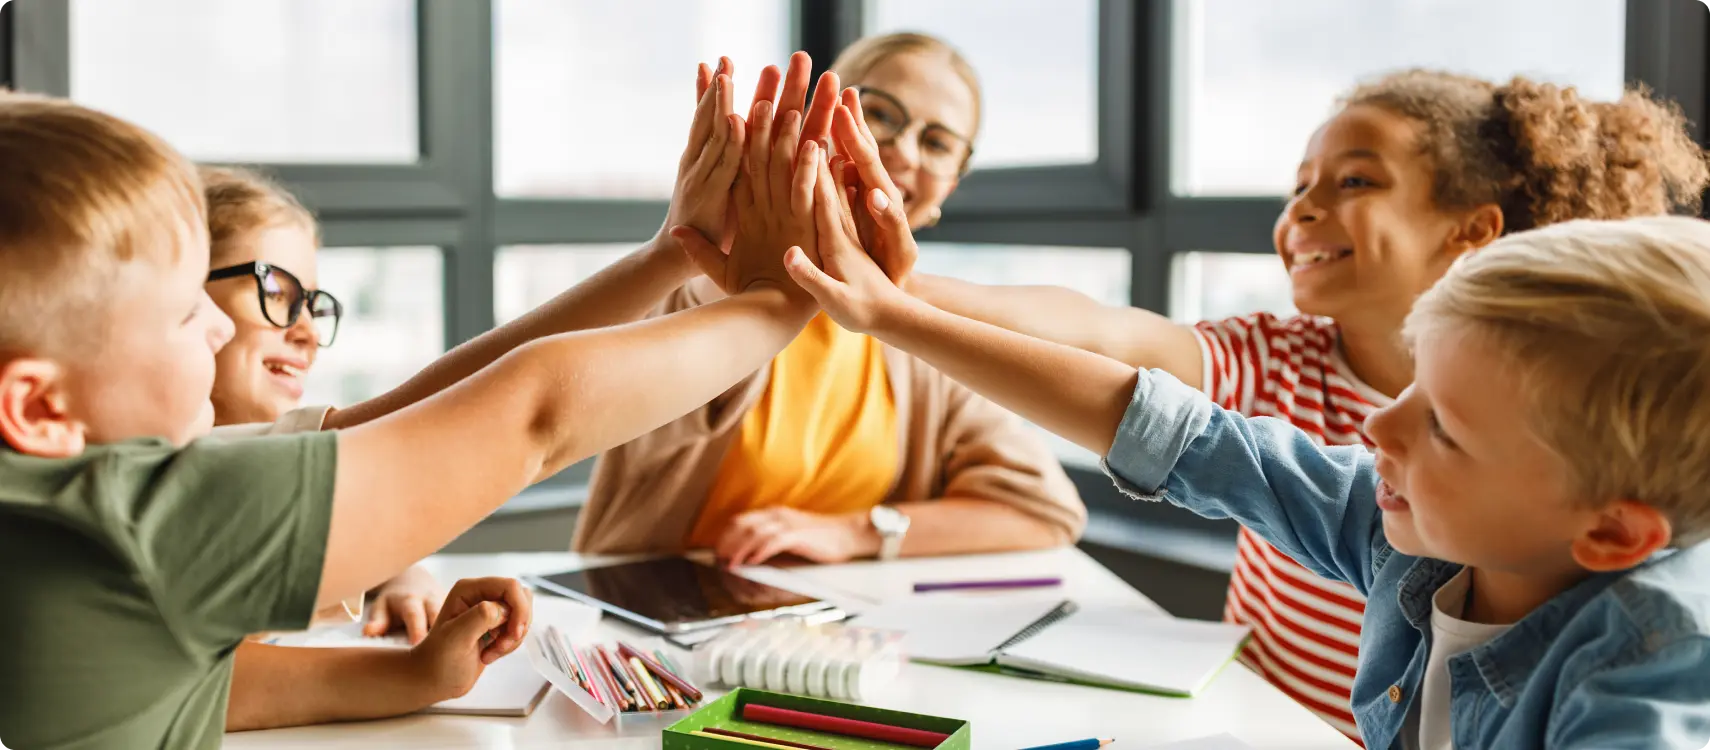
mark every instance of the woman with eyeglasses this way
{"type": "Point", "coordinates": [844, 448]}
{"type": "Point", "coordinates": [262, 275]}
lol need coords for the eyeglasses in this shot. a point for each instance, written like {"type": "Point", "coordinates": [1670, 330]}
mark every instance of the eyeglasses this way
{"type": "Point", "coordinates": [943, 152]}
{"type": "Point", "coordinates": [283, 298]}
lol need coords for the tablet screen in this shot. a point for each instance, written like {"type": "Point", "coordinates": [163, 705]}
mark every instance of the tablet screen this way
{"type": "Point", "coordinates": [675, 591]}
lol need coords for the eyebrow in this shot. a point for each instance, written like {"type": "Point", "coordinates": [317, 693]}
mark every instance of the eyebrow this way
{"type": "Point", "coordinates": [904, 107]}
{"type": "Point", "coordinates": [1353, 153]}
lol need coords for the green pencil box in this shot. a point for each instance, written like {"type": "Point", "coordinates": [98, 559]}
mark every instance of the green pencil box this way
{"type": "Point", "coordinates": [726, 713]}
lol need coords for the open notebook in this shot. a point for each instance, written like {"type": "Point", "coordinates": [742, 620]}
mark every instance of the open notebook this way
{"type": "Point", "coordinates": [1125, 648]}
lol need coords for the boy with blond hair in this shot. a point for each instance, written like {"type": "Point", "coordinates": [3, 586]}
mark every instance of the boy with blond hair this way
{"type": "Point", "coordinates": [1529, 527]}
{"type": "Point", "coordinates": [136, 557]}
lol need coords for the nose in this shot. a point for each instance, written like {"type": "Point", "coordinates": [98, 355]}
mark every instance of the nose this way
{"type": "Point", "coordinates": [1386, 427]}
{"type": "Point", "coordinates": [220, 327]}
{"type": "Point", "coordinates": [1304, 208]}
{"type": "Point", "coordinates": [902, 154]}
{"type": "Point", "coordinates": [303, 332]}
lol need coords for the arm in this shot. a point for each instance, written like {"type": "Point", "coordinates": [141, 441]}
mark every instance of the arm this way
{"type": "Point", "coordinates": [280, 686]}
{"type": "Point", "coordinates": [1138, 338]}
{"type": "Point", "coordinates": [623, 291]}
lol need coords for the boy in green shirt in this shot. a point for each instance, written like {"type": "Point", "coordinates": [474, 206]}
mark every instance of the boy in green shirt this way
{"type": "Point", "coordinates": [137, 556]}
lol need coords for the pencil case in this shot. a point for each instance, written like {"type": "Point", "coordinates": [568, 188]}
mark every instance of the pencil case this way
{"type": "Point", "coordinates": [600, 702]}
{"type": "Point", "coordinates": [833, 661]}
{"type": "Point", "coordinates": [726, 713]}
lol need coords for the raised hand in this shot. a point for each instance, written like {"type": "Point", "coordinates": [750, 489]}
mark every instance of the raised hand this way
{"type": "Point", "coordinates": [773, 202]}
{"type": "Point", "coordinates": [711, 159]}
{"type": "Point", "coordinates": [846, 281]}
{"type": "Point", "coordinates": [859, 165]}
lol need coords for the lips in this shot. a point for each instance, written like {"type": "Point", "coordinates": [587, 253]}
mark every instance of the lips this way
{"type": "Point", "coordinates": [288, 374]}
{"type": "Point", "coordinates": [1390, 501]}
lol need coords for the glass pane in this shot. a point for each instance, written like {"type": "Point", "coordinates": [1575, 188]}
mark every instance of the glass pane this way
{"type": "Point", "coordinates": [1041, 107]}
{"type": "Point", "coordinates": [593, 99]}
{"type": "Point", "coordinates": [1255, 78]}
{"type": "Point", "coordinates": [1098, 272]}
{"type": "Point", "coordinates": [1213, 286]}
{"type": "Point", "coordinates": [527, 276]}
{"type": "Point", "coordinates": [394, 320]}
{"type": "Point", "coordinates": [326, 81]}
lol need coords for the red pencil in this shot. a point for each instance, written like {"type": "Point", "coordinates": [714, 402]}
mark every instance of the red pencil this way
{"type": "Point", "coordinates": [839, 725]}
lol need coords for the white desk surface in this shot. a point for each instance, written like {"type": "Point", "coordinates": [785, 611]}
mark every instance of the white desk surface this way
{"type": "Point", "coordinates": [1006, 712]}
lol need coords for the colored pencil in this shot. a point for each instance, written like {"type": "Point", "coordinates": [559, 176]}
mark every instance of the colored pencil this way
{"type": "Point", "coordinates": [586, 674]}
{"type": "Point", "coordinates": [1076, 745]}
{"type": "Point", "coordinates": [743, 740]}
{"type": "Point", "coordinates": [677, 672]}
{"type": "Point", "coordinates": [1014, 583]}
{"type": "Point", "coordinates": [619, 675]}
{"type": "Point", "coordinates": [689, 691]}
{"type": "Point", "coordinates": [868, 730]}
{"type": "Point", "coordinates": [660, 700]}
{"type": "Point", "coordinates": [759, 738]}
{"type": "Point", "coordinates": [607, 683]}
{"type": "Point", "coordinates": [642, 699]}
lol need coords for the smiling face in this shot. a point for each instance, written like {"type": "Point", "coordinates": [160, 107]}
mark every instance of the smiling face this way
{"type": "Point", "coordinates": [937, 99]}
{"type": "Point", "coordinates": [261, 372]}
{"type": "Point", "coordinates": [1362, 234]}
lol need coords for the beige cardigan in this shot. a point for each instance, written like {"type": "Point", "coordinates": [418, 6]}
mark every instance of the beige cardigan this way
{"type": "Point", "coordinates": [647, 494]}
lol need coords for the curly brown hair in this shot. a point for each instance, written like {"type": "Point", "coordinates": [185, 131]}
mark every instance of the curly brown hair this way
{"type": "Point", "coordinates": [1541, 152]}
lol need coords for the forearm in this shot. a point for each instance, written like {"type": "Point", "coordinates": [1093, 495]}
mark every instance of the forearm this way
{"type": "Point", "coordinates": [539, 409]}
{"type": "Point", "coordinates": [962, 526]}
{"type": "Point", "coordinates": [1073, 393]}
{"type": "Point", "coordinates": [279, 686]}
{"type": "Point", "coordinates": [620, 293]}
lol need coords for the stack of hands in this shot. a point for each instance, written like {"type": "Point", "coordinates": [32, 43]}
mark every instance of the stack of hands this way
{"type": "Point", "coordinates": [790, 200]}
{"type": "Point", "coordinates": [795, 200]}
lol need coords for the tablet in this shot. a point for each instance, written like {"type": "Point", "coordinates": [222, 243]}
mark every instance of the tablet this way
{"type": "Point", "coordinates": [676, 595]}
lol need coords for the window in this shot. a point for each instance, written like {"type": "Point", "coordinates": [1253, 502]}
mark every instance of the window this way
{"type": "Point", "coordinates": [1041, 106]}
{"type": "Point", "coordinates": [277, 81]}
{"type": "Point", "coordinates": [1098, 272]}
{"type": "Point", "coordinates": [1255, 78]}
{"type": "Point", "coordinates": [527, 276]}
{"type": "Point", "coordinates": [594, 99]}
{"type": "Point", "coordinates": [1213, 286]}
{"type": "Point", "coordinates": [393, 321]}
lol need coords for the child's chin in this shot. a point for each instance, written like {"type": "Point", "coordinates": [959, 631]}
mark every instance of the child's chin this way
{"type": "Point", "coordinates": [1402, 537]}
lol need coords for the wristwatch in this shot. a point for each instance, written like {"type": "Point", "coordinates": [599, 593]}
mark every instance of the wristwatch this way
{"type": "Point", "coordinates": [892, 525]}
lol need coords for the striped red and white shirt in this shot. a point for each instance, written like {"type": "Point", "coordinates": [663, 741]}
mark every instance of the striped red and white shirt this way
{"type": "Point", "coordinates": [1306, 629]}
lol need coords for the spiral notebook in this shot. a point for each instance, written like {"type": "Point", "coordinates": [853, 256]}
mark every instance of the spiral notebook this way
{"type": "Point", "coordinates": [1118, 647]}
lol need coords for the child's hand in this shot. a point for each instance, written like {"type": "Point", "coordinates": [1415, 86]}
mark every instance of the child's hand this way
{"type": "Point", "coordinates": [471, 593]}
{"type": "Point", "coordinates": [847, 283]}
{"type": "Point", "coordinates": [858, 153]}
{"type": "Point", "coordinates": [410, 601]}
{"type": "Point", "coordinates": [710, 161]}
{"type": "Point", "coordinates": [774, 207]}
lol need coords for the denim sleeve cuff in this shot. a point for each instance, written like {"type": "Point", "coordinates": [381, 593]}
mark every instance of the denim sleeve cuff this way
{"type": "Point", "coordinates": [1162, 418]}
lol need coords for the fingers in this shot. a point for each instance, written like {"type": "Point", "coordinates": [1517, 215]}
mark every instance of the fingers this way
{"type": "Point", "coordinates": [702, 126]}
{"type": "Point", "coordinates": [796, 84]}
{"type": "Point", "coordinates": [484, 622]}
{"type": "Point", "coordinates": [784, 153]}
{"type": "Point", "coordinates": [772, 547]}
{"type": "Point", "coordinates": [828, 219]}
{"type": "Point", "coordinates": [471, 592]}
{"type": "Point", "coordinates": [817, 125]}
{"type": "Point", "coordinates": [767, 89]}
{"type": "Point", "coordinates": [379, 622]}
{"type": "Point", "coordinates": [824, 289]}
{"type": "Point", "coordinates": [703, 79]}
{"type": "Point", "coordinates": [862, 151]}
{"type": "Point", "coordinates": [742, 535]}
{"type": "Point", "coordinates": [806, 177]}
{"type": "Point", "coordinates": [414, 614]}
{"type": "Point", "coordinates": [759, 141]}
{"type": "Point", "coordinates": [702, 252]}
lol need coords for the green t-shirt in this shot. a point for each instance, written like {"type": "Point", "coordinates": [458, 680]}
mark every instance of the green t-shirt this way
{"type": "Point", "coordinates": [130, 573]}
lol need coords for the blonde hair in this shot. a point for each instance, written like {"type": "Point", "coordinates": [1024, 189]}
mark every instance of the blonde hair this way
{"type": "Point", "coordinates": [1608, 324]}
{"type": "Point", "coordinates": [82, 194]}
{"type": "Point", "coordinates": [241, 202]}
{"type": "Point", "coordinates": [866, 53]}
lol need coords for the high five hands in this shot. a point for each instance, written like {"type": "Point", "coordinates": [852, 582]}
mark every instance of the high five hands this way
{"type": "Point", "coordinates": [810, 193]}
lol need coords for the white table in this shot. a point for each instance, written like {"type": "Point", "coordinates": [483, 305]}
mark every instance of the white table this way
{"type": "Point", "coordinates": [1006, 712]}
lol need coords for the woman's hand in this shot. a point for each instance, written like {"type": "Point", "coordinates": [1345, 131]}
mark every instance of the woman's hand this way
{"type": "Point", "coordinates": [859, 165]}
{"type": "Point", "coordinates": [847, 282]}
{"type": "Point", "coordinates": [760, 535]}
{"type": "Point", "coordinates": [410, 601]}
{"type": "Point", "coordinates": [712, 158]}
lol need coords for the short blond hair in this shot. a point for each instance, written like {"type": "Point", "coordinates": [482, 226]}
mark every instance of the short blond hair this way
{"type": "Point", "coordinates": [241, 202]}
{"type": "Point", "coordinates": [82, 194]}
{"type": "Point", "coordinates": [1608, 325]}
{"type": "Point", "coordinates": [866, 53]}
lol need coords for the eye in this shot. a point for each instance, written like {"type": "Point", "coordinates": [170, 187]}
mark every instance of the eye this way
{"type": "Point", "coordinates": [1299, 187]}
{"type": "Point", "coordinates": [937, 145]}
{"type": "Point", "coordinates": [1436, 427]}
{"type": "Point", "coordinates": [1355, 181]}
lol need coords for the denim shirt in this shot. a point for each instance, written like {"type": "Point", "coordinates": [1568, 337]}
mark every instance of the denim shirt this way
{"type": "Point", "coordinates": [1621, 660]}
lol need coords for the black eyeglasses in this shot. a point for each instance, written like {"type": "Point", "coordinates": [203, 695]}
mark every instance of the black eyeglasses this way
{"type": "Point", "coordinates": [943, 152]}
{"type": "Point", "coordinates": [283, 298]}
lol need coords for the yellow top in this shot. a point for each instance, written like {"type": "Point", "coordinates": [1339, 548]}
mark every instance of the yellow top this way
{"type": "Point", "coordinates": [822, 438]}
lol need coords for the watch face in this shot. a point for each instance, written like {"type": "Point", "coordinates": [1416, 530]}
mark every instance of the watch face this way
{"type": "Point", "coordinates": [889, 520]}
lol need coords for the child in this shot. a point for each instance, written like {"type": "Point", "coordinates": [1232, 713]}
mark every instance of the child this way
{"type": "Point", "coordinates": [1521, 589]}
{"type": "Point", "coordinates": [1450, 164]}
{"type": "Point", "coordinates": [137, 557]}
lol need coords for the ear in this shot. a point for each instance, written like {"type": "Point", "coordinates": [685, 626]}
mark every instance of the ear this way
{"type": "Point", "coordinates": [33, 415]}
{"type": "Point", "coordinates": [1626, 532]}
{"type": "Point", "coordinates": [1479, 227]}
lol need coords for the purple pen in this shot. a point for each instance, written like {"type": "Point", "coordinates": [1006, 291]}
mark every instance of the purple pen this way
{"type": "Point", "coordinates": [1013, 583]}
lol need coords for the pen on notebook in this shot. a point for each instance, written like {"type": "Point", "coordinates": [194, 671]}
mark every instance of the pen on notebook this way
{"type": "Point", "coordinates": [1010, 583]}
{"type": "Point", "coordinates": [1076, 745]}
{"type": "Point", "coordinates": [689, 691]}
